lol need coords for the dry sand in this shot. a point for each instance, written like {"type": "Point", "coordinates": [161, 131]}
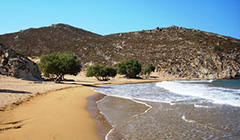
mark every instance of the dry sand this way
{"type": "Point", "coordinates": [56, 115]}
{"type": "Point", "coordinates": [13, 89]}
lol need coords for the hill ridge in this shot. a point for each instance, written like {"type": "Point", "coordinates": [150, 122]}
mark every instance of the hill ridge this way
{"type": "Point", "coordinates": [176, 51]}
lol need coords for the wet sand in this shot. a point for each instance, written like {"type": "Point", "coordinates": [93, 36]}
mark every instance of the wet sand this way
{"type": "Point", "coordinates": [134, 120]}
{"type": "Point", "coordinates": [103, 125]}
{"type": "Point", "coordinates": [56, 115]}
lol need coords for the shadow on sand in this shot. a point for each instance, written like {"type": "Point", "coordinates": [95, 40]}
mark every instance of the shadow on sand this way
{"type": "Point", "coordinates": [14, 91]}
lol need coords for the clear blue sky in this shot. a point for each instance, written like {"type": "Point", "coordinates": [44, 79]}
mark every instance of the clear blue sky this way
{"type": "Point", "coordinates": [114, 16]}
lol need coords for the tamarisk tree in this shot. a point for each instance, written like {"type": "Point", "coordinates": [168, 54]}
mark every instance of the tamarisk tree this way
{"type": "Point", "coordinates": [150, 68]}
{"type": "Point", "coordinates": [102, 73]}
{"type": "Point", "coordinates": [56, 65]}
{"type": "Point", "coordinates": [130, 68]}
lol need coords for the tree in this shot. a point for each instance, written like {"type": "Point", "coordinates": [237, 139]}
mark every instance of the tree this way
{"type": "Point", "coordinates": [56, 65]}
{"type": "Point", "coordinates": [130, 68]}
{"type": "Point", "coordinates": [102, 73]}
{"type": "Point", "coordinates": [150, 68]}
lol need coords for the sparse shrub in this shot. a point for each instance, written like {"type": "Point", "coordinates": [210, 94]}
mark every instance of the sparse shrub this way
{"type": "Point", "coordinates": [102, 73]}
{"type": "Point", "coordinates": [56, 65]}
{"type": "Point", "coordinates": [150, 68]}
{"type": "Point", "coordinates": [218, 49]}
{"type": "Point", "coordinates": [130, 68]}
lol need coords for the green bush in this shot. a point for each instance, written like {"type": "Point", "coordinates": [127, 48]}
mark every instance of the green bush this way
{"type": "Point", "coordinates": [130, 68]}
{"type": "Point", "coordinates": [102, 73]}
{"type": "Point", "coordinates": [150, 68]}
{"type": "Point", "coordinates": [218, 49]}
{"type": "Point", "coordinates": [56, 65]}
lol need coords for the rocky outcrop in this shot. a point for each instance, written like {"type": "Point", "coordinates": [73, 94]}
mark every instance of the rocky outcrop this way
{"type": "Point", "coordinates": [16, 65]}
{"type": "Point", "coordinates": [210, 66]}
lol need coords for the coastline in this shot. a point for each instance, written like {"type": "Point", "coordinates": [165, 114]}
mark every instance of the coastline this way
{"type": "Point", "coordinates": [11, 123]}
{"type": "Point", "coordinates": [166, 120]}
{"type": "Point", "coordinates": [40, 113]}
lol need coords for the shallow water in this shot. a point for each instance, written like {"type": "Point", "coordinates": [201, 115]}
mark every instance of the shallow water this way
{"type": "Point", "coordinates": [150, 112]}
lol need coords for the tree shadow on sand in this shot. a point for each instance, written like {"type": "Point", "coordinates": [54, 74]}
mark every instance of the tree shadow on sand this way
{"type": "Point", "coordinates": [14, 91]}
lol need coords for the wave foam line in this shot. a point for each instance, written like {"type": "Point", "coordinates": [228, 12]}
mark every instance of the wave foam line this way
{"type": "Point", "coordinates": [139, 102]}
{"type": "Point", "coordinates": [197, 81]}
{"type": "Point", "coordinates": [190, 121]}
{"type": "Point", "coordinates": [216, 95]}
{"type": "Point", "coordinates": [205, 126]}
{"type": "Point", "coordinates": [141, 99]}
{"type": "Point", "coordinates": [202, 106]}
{"type": "Point", "coordinates": [109, 132]}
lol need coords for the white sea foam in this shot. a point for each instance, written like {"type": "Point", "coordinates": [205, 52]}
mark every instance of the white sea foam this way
{"type": "Point", "coordinates": [201, 106]}
{"type": "Point", "coordinates": [175, 92]}
{"type": "Point", "coordinates": [218, 95]}
{"type": "Point", "coordinates": [106, 117]}
{"type": "Point", "coordinates": [197, 81]}
{"type": "Point", "coordinates": [190, 121]}
{"type": "Point", "coordinates": [134, 92]}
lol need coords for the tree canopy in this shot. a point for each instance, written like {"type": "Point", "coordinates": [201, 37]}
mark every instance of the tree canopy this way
{"type": "Point", "coordinates": [130, 68]}
{"type": "Point", "coordinates": [150, 68]}
{"type": "Point", "coordinates": [102, 73]}
{"type": "Point", "coordinates": [56, 65]}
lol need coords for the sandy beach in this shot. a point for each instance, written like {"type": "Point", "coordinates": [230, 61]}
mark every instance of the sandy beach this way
{"type": "Point", "coordinates": [46, 110]}
{"type": "Point", "coordinates": [73, 110]}
{"type": "Point", "coordinates": [56, 115]}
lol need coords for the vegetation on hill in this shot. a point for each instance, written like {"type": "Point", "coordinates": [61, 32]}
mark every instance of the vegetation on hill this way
{"type": "Point", "coordinates": [150, 68]}
{"type": "Point", "coordinates": [102, 73]}
{"type": "Point", "coordinates": [56, 65]}
{"type": "Point", "coordinates": [175, 51]}
{"type": "Point", "coordinates": [130, 68]}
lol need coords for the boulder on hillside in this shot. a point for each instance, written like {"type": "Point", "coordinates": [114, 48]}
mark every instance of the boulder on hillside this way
{"type": "Point", "coordinates": [13, 64]}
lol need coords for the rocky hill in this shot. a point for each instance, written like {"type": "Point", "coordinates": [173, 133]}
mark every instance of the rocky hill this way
{"type": "Point", "coordinates": [34, 42]}
{"type": "Point", "coordinates": [175, 51]}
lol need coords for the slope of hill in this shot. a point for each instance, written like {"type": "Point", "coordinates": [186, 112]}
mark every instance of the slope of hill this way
{"type": "Point", "coordinates": [34, 42]}
{"type": "Point", "coordinates": [176, 51]}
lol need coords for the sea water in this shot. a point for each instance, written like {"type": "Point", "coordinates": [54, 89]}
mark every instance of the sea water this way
{"type": "Point", "coordinates": [204, 109]}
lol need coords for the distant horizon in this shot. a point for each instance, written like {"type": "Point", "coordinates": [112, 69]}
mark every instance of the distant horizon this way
{"type": "Point", "coordinates": [112, 33]}
{"type": "Point", "coordinates": [106, 17]}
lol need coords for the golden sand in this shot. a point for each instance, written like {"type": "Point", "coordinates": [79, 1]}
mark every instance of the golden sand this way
{"type": "Point", "coordinates": [56, 115]}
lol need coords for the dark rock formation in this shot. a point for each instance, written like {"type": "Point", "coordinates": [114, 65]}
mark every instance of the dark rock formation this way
{"type": "Point", "coordinates": [16, 65]}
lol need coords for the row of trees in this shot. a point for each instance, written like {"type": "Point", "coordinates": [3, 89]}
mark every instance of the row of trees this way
{"type": "Point", "coordinates": [56, 65]}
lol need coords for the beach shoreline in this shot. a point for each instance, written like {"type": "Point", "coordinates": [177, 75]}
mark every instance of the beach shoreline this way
{"type": "Point", "coordinates": [165, 120]}
{"type": "Point", "coordinates": [13, 123]}
{"type": "Point", "coordinates": [39, 92]}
